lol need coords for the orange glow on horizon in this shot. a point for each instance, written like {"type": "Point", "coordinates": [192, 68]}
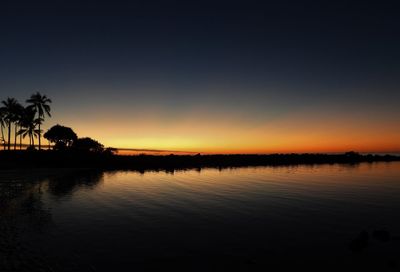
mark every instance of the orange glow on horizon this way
{"type": "Point", "coordinates": [202, 132]}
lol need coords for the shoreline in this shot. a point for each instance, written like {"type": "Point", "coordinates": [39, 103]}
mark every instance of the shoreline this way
{"type": "Point", "coordinates": [72, 159]}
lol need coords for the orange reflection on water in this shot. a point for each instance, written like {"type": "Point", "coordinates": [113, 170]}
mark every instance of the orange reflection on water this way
{"type": "Point", "coordinates": [211, 183]}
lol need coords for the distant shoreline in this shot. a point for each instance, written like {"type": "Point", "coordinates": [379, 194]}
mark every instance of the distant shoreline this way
{"type": "Point", "coordinates": [70, 159]}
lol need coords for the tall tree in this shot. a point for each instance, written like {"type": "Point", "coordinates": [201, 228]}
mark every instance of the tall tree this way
{"type": "Point", "coordinates": [2, 126]}
{"type": "Point", "coordinates": [9, 106]}
{"type": "Point", "coordinates": [28, 126]}
{"type": "Point", "coordinates": [18, 113]}
{"type": "Point", "coordinates": [62, 137]}
{"type": "Point", "coordinates": [21, 117]}
{"type": "Point", "coordinates": [40, 103]}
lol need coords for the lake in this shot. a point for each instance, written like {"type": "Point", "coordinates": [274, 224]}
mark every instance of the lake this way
{"type": "Point", "coordinates": [240, 219]}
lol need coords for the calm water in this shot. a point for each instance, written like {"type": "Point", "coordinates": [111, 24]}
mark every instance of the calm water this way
{"type": "Point", "coordinates": [244, 219]}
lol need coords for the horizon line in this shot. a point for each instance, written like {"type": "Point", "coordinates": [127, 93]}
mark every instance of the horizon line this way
{"type": "Point", "coordinates": [210, 152]}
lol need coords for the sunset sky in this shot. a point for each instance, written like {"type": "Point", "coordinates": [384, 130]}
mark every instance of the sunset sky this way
{"type": "Point", "coordinates": [210, 76]}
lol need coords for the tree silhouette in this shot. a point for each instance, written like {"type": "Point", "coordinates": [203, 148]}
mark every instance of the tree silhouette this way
{"type": "Point", "coordinates": [20, 118]}
{"type": "Point", "coordinates": [41, 105]}
{"type": "Point", "coordinates": [2, 126]}
{"type": "Point", "coordinates": [9, 108]}
{"type": "Point", "coordinates": [18, 115]}
{"type": "Point", "coordinates": [62, 136]}
{"type": "Point", "coordinates": [28, 126]}
{"type": "Point", "coordinates": [89, 145]}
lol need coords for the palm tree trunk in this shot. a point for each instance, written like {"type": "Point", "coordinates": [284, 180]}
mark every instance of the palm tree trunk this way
{"type": "Point", "coordinates": [9, 136]}
{"type": "Point", "coordinates": [20, 142]}
{"type": "Point", "coordinates": [39, 135]}
{"type": "Point", "coordinates": [15, 136]}
{"type": "Point", "coordinates": [2, 137]}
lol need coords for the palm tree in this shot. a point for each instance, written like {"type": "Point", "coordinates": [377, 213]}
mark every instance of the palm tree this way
{"type": "Point", "coordinates": [20, 118]}
{"type": "Point", "coordinates": [40, 103]}
{"type": "Point", "coordinates": [17, 116]}
{"type": "Point", "coordinates": [28, 126]}
{"type": "Point", "coordinates": [9, 106]}
{"type": "Point", "coordinates": [2, 126]}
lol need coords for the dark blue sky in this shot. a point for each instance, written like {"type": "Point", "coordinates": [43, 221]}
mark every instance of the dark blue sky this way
{"type": "Point", "coordinates": [251, 60]}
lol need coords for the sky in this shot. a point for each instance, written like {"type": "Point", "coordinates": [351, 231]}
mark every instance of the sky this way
{"type": "Point", "coordinates": [210, 76]}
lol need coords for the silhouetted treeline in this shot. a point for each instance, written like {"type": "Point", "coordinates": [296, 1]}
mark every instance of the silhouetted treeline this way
{"type": "Point", "coordinates": [65, 139]}
{"type": "Point", "coordinates": [23, 121]}
{"type": "Point", "coordinates": [18, 122]}
{"type": "Point", "coordinates": [79, 159]}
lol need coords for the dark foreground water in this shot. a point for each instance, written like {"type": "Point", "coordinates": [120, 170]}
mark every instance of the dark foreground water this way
{"type": "Point", "coordinates": [243, 219]}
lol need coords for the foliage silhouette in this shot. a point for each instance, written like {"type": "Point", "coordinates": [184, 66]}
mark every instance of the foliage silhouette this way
{"type": "Point", "coordinates": [28, 126]}
{"type": "Point", "coordinates": [18, 113]}
{"type": "Point", "coordinates": [73, 158]}
{"type": "Point", "coordinates": [20, 116]}
{"type": "Point", "coordinates": [40, 103]}
{"type": "Point", "coordinates": [13, 113]}
{"type": "Point", "coordinates": [9, 108]}
{"type": "Point", "coordinates": [61, 136]}
{"type": "Point", "coordinates": [88, 145]}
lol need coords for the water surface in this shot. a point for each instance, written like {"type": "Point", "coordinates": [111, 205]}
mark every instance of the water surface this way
{"type": "Point", "coordinates": [242, 219]}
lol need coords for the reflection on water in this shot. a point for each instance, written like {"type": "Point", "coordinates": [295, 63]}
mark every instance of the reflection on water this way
{"type": "Point", "coordinates": [24, 215]}
{"type": "Point", "coordinates": [243, 219]}
{"type": "Point", "coordinates": [66, 184]}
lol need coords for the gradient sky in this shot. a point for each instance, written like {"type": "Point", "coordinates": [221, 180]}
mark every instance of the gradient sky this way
{"type": "Point", "coordinates": [211, 76]}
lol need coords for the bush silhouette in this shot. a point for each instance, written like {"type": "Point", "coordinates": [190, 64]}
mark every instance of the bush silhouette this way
{"type": "Point", "coordinates": [61, 136]}
{"type": "Point", "coordinates": [88, 144]}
